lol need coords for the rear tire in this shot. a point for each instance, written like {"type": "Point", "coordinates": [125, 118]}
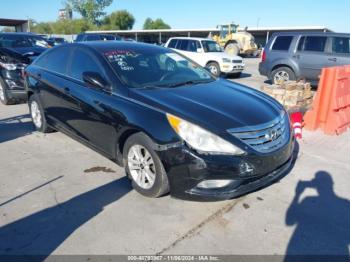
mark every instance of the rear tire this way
{"type": "Point", "coordinates": [143, 166]}
{"type": "Point", "coordinates": [282, 74]}
{"type": "Point", "coordinates": [214, 68]}
{"type": "Point", "coordinates": [4, 99]}
{"type": "Point", "coordinates": [38, 115]}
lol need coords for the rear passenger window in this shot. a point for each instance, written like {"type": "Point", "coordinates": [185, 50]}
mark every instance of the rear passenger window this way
{"type": "Point", "coordinates": [182, 45]}
{"type": "Point", "coordinates": [93, 38]}
{"type": "Point", "coordinates": [83, 62]}
{"type": "Point", "coordinates": [315, 43]}
{"type": "Point", "coordinates": [282, 43]}
{"type": "Point", "coordinates": [341, 45]}
{"type": "Point", "coordinates": [192, 46]}
{"type": "Point", "coordinates": [172, 43]}
{"type": "Point", "coordinates": [58, 60]}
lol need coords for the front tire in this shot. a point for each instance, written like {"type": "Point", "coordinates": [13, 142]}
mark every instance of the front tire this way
{"type": "Point", "coordinates": [144, 167]}
{"type": "Point", "coordinates": [38, 116]}
{"type": "Point", "coordinates": [214, 68]}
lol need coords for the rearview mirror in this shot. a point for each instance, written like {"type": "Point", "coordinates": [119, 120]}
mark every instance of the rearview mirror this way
{"type": "Point", "coordinates": [95, 80]}
{"type": "Point", "coordinates": [200, 50]}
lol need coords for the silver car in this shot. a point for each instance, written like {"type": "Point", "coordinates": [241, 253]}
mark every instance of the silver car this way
{"type": "Point", "coordinates": [302, 55]}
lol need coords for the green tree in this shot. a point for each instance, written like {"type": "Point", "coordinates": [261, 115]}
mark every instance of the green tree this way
{"type": "Point", "coordinates": [91, 10]}
{"type": "Point", "coordinates": [148, 24]}
{"type": "Point", "coordinates": [155, 24]}
{"type": "Point", "coordinates": [42, 28]}
{"type": "Point", "coordinates": [119, 20]}
{"type": "Point", "coordinates": [7, 29]}
{"type": "Point", "coordinates": [75, 26]}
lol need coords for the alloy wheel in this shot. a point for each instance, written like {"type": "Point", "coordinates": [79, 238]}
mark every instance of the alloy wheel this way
{"type": "Point", "coordinates": [141, 166]}
{"type": "Point", "coordinates": [213, 69]}
{"type": "Point", "coordinates": [36, 114]}
{"type": "Point", "coordinates": [281, 76]}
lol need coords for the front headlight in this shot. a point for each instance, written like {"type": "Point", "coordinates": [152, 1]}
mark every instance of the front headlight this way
{"type": "Point", "coordinates": [226, 60]}
{"type": "Point", "coordinates": [202, 140]}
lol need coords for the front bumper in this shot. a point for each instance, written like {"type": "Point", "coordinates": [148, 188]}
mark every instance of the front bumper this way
{"type": "Point", "coordinates": [186, 169]}
{"type": "Point", "coordinates": [232, 68]}
{"type": "Point", "coordinates": [14, 82]}
{"type": "Point", "coordinates": [18, 95]}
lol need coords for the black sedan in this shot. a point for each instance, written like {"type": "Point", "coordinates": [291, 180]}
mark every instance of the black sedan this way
{"type": "Point", "coordinates": [172, 125]}
{"type": "Point", "coordinates": [17, 50]}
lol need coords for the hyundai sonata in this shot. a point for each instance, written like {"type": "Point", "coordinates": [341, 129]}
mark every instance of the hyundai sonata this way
{"type": "Point", "coordinates": [172, 125]}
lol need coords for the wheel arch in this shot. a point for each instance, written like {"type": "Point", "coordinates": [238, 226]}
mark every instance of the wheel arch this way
{"type": "Point", "coordinates": [281, 65]}
{"type": "Point", "coordinates": [212, 61]}
{"type": "Point", "coordinates": [231, 42]}
{"type": "Point", "coordinates": [275, 67]}
{"type": "Point", "coordinates": [155, 126]}
{"type": "Point", "coordinates": [121, 143]}
{"type": "Point", "coordinates": [29, 94]}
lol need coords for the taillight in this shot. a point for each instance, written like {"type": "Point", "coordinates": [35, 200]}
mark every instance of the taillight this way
{"type": "Point", "coordinates": [263, 56]}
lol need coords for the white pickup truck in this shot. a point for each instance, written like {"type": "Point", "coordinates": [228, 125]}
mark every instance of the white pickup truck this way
{"type": "Point", "coordinates": [207, 53]}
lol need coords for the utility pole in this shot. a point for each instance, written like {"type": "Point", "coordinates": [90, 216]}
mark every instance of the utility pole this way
{"type": "Point", "coordinates": [28, 24]}
{"type": "Point", "coordinates": [258, 22]}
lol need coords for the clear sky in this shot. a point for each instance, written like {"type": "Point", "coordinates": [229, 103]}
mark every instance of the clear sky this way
{"type": "Point", "coordinates": [333, 14]}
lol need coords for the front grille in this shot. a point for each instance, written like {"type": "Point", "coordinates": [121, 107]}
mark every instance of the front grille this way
{"type": "Point", "coordinates": [237, 61]}
{"type": "Point", "coordinates": [265, 138]}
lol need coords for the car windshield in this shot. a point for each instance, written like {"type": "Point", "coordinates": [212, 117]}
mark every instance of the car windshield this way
{"type": "Point", "coordinates": [16, 41]}
{"type": "Point", "coordinates": [211, 46]}
{"type": "Point", "coordinates": [153, 67]}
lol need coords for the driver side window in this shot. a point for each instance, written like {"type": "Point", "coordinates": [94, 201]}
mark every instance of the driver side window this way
{"type": "Point", "coordinates": [83, 62]}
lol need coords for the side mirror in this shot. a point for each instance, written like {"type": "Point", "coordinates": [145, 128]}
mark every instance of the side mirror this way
{"type": "Point", "coordinates": [95, 80]}
{"type": "Point", "coordinates": [200, 50]}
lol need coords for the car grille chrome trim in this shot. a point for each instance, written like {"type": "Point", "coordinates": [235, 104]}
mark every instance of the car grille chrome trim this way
{"type": "Point", "coordinates": [237, 61]}
{"type": "Point", "coordinates": [267, 137]}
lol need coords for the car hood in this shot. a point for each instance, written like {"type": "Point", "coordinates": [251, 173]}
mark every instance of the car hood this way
{"type": "Point", "coordinates": [217, 106]}
{"type": "Point", "coordinates": [10, 56]}
{"type": "Point", "coordinates": [220, 55]}
{"type": "Point", "coordinates": [36, 50]}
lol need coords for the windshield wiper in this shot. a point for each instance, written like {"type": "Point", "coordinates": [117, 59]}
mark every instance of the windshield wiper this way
{"type": "Point", "coordinates": [189, 82]}
{"type": "Point", "coordinates": [150, 87]}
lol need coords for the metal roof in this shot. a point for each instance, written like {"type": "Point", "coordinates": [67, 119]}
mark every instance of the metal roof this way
{"type": "Point", "coordinates": [256, 29]}
{"type": "Point", "coordinates": [12, 22]}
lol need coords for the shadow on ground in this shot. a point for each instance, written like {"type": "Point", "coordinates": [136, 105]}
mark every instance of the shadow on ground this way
{"type": "Point", "coordinates": [322, 222]}
{"type": "Point", "coordinates": [243, 75]}
{"type": "Point", "coordinates": [15, 127]}
{"type": "Point", "coordinates": [42, 232]}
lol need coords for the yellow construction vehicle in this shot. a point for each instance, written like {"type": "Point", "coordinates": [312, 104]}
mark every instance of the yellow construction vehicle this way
{"type": "Point", "coordinates": [234, 42]}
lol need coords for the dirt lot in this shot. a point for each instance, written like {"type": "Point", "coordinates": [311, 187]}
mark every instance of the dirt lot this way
{"type": "Point", "coordinates": [59, 197]}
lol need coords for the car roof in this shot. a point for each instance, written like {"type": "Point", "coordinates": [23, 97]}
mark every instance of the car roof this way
{"type": "Point", "coordinates": [311, 34]}
{"type": "Point", "coordinates": [20, 34]}
{"type": "Point", "coordinates": [105, 46]}
{"type": "Point", "coordinates": [191, 38]}
{"type": "Point", "coordinates": [97, 34]}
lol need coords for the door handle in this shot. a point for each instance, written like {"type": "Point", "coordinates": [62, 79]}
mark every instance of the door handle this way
{"type": "Point", "coordinates": [296, 56]}
{"type": "Point", "coordinates": [332, 59]}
